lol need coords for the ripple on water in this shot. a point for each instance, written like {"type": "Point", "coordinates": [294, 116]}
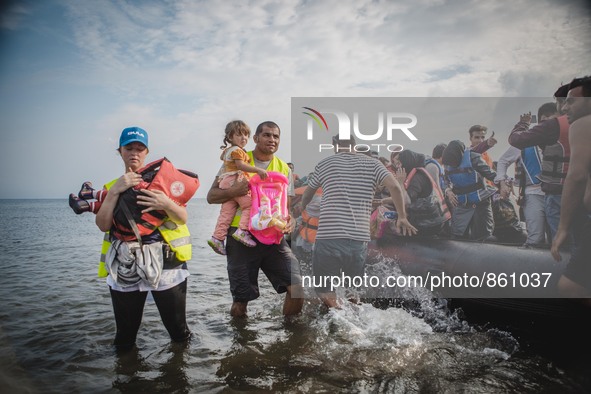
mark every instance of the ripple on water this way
{"type": "Point", "coordinates": [57, 329]}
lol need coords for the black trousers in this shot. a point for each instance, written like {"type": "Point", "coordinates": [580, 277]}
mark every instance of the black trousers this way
{"type": "Point", "coordinates": [129, 309]}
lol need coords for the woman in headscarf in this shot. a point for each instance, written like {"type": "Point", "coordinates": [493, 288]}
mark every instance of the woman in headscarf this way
{"type": "Point", "coordinates": [426, 207]}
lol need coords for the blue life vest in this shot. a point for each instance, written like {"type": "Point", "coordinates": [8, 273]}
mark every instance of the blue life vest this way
{"type": "Point", "coordinates": [468, 185]}
{"type": "Point", "coordinates": [530, 166]}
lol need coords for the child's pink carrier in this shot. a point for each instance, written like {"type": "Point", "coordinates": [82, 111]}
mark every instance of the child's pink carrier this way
{"type": "Point", "coordinates": [268, 212]}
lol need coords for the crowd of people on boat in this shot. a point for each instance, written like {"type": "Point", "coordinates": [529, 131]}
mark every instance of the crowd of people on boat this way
{"type": "Point", "coordinates": [459, 192]}
{"type": "Point", "coordinates": [456, 192]}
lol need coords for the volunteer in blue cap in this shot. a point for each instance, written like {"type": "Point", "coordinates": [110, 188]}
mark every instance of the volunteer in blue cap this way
{"type": "Point", "coordinates": [81, 203]}
{"type": "Point", "coordinates": [136, 268]}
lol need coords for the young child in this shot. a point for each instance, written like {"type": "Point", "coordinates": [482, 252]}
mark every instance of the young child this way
{"type": "Point", "coordinates": [235, 167]}
{"type": "Point", "coordinates": [79, 204]}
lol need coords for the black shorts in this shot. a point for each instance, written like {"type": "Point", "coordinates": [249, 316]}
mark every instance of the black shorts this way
{"type": "Point", "coordinates": [276, 261]}
{"type": "Point", "coordinates": [579, 267]}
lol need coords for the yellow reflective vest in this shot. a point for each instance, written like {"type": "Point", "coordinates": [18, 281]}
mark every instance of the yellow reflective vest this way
{"type": "Point", "coordinates": [176, 236]}
{"type": "Point", "coordinates": [276, 165]}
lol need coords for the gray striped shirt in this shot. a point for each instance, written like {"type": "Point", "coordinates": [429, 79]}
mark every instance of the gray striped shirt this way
{"type": "Point", "coordinates": [348, 182]}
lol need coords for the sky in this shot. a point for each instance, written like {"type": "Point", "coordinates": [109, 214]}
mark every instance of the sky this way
{"type": "Point", "coordinates": [73, 74]}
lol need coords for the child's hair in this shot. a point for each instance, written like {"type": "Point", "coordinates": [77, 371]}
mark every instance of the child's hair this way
{"type": "Point", "coordinates": [234, 127]}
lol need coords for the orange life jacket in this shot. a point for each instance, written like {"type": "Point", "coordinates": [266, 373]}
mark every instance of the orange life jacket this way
{"type": "Point", "coordinates": [489, 161]}
{"type": "Point", "coordinates": [178, 185]}
{"type": "Point", "coordinates": [309, 227]}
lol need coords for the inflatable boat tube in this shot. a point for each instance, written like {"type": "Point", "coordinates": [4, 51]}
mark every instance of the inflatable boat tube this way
{"type": "Point", "coordinates": [532, 313]}
{"type": "Point", "coordinates": [474, 269]}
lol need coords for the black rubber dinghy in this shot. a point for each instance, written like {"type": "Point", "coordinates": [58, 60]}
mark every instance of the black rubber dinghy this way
{"type": "Point", "coordinates": [536, 313]}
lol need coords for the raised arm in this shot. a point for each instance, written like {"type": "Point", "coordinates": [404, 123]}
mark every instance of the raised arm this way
{"type": "Point", "coordinates": [545, 133]}
{"type": "Point", "coordinates": [486, 144]}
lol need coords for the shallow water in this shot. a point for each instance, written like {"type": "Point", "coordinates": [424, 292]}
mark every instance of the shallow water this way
{"type": "Point", "coordinates": [57, 328]}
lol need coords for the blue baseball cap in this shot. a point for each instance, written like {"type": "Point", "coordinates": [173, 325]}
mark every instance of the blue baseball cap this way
{"type": "Point", "coordinates": [133, 134]}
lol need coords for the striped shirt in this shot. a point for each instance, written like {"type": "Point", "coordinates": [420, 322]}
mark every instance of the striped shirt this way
{"type": "Point", "coordinates": [348, 182]}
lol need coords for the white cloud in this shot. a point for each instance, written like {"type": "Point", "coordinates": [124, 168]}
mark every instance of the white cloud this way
{"type": "Point", "coordinates": [329, 47]}
{"type": "Point", "coordinates": [185, 68]}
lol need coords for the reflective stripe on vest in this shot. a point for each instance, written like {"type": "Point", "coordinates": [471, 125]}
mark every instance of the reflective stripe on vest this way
{"type": "Point", "coordinates": [467, 183]}
{"type": "Point", "coordinates": [179, 239]}
{"type": "Point", "coordinates": [277, 165]}
{"type": "Point", "coordinates": [102, 270]}
{"type": "Point", "coordinates": [555, 157]}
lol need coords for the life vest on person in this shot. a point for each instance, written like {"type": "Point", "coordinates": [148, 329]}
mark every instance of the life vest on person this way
{"type": "Point", "coordinates": [529, 167]}
{"type": "Point", "coordinates": [309, 223]}
{"type": "Point", "coordinates": [441, 179]}
{"type": "Point", "coordinates": [428, 211]}
{"type": "Point", "coordinates": [487, 159]}
{"type": "Point", "coordinates": [555, 158]}
{"type": "Point", "coordinates": [309, 227]}
{"type": "Point", "coordinates": [178, 185]}
{"type": "Point", "coordinates": [102, 269]}
{"type": "Point", "coordinates": [276, 165]}
{"type": "Point", "coordinates": [176, 236]}
{"type": "Point", "coordinates": [468, 185]}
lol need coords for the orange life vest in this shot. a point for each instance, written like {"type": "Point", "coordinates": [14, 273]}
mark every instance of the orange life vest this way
{"type": "Point", "coordinates": [309, 227]}
{"type": "Point", "coordinates": [178, 185]}
{"type": "Point", "coordinates": [489, 161]}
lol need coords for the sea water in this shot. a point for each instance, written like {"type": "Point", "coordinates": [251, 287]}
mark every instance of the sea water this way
{"type": "Point", "coordinates": [57, 328]}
